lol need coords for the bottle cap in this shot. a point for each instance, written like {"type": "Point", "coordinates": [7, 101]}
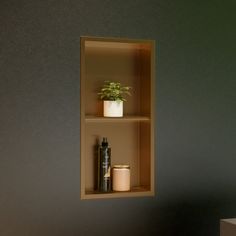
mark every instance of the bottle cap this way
{"type": "Point", "coordinates": [104, 141]}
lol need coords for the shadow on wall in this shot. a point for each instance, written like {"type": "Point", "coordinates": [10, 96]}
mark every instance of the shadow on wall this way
{"type": "Point", "coordinates": [191, 218]}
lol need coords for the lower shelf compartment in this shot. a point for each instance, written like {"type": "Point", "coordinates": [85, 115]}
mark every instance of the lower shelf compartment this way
{"type": "Point", "coordinates": [134, 192]}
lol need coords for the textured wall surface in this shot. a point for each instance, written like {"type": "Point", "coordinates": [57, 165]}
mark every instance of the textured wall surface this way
{"type": "Point", "coordinates": [39, 117]}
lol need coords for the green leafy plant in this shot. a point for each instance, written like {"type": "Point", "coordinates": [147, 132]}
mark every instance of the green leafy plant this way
{"type": "Point", "coordinates": [114, 91]}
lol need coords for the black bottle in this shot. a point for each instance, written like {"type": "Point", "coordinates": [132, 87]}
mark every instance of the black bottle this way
{"type": "Point", "coordinates": [104, 167]}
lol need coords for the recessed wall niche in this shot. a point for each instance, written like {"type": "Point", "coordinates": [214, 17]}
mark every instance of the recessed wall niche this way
{"type": "Point", "coordinates": [131, 137]}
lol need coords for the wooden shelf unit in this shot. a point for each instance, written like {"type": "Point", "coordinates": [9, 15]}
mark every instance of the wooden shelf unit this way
{"type": "Point", "coordinates": [131, 137]}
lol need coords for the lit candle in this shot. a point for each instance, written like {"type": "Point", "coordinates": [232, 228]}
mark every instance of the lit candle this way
{"type": "Point", "coordinates": [121, 178]}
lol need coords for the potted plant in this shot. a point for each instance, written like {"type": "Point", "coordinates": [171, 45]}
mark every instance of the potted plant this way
{"type": "Point", "coordinates": [112, 94]}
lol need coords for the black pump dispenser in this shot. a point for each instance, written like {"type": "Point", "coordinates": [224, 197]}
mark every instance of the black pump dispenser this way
{"type": "Point", "coordinates": [104, 167]}
{"type": "Point", "coordinates": [104, 142]}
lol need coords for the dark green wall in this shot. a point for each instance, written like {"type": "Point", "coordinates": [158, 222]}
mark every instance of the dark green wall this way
{"type": "Point", "coordinates": [39, 117]}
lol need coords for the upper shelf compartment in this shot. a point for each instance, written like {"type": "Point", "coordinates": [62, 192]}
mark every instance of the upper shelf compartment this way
{"type": "Point", "coordinates": [126, 61]}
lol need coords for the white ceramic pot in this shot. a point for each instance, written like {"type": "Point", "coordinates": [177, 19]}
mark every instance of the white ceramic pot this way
{"type": "Point", "coordinates": [113, 108]}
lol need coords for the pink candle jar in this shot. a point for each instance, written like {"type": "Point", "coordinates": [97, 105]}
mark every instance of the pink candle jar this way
{"type": "Point", "coordinates": [121, 178]}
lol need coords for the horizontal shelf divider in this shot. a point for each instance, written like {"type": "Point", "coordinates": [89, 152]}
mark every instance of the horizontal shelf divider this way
{"type": "Point", "coordinates": [89, 118]}
{"type": "Point", "coordinates": [135, 192]}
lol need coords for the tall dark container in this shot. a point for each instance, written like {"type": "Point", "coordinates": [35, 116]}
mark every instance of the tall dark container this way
{"type": "Point", "coordinates": [104, 167]}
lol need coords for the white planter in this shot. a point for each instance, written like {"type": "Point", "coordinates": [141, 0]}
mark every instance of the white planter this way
{"type": "Point", "coordinates": [113, 108]}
